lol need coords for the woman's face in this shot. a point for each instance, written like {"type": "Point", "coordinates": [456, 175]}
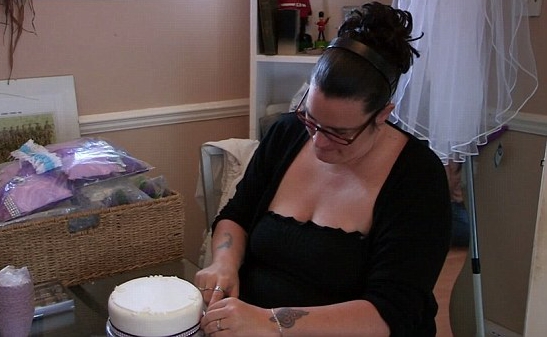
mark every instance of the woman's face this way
{"type": "Point", "coordinates": [327, 118]}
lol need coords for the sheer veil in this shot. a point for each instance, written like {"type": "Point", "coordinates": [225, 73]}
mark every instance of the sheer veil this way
{"type": "Point", "coordinates": [475, 72]}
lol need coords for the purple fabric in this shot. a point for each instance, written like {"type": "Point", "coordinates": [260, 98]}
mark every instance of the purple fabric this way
{"type": "Point", "coordinates": [24, 195]}
{"type": "Point", "coordinates": [85, 161]}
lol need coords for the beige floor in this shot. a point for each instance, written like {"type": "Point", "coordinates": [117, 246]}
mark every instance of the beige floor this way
{"type": "Point", "coordinates": [452, 267]}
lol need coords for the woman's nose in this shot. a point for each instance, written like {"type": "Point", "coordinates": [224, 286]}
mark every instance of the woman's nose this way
{"type": "Point", "coordinates": [320, 139]}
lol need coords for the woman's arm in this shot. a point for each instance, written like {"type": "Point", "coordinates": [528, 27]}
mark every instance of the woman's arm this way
{"type": "Point", "coordinates": [236, 318]}
{"type": "Point", "coordinates": [228, 248]}
{"type": "Point", "coordinates": [355, 318]}
{"type": "Point", "coordinates": [228, 243]}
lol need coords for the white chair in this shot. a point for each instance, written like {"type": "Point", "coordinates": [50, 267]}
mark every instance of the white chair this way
{"type": "Point", "coordinates": [222, 165]}
{"type": "Point", "coordinates": [212, 158]}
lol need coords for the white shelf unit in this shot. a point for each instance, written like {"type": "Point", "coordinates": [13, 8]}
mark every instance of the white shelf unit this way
{"type": "Point", "coordinates": [275, 79]}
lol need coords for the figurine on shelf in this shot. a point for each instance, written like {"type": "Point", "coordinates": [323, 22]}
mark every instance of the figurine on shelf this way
{"type": "Point", "coordinates": [321, 42]}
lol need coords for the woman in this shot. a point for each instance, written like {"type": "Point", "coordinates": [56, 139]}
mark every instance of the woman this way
{"type": "Point", "coordinates": [341, 224]}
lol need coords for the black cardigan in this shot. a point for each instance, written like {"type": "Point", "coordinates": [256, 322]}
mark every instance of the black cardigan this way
{"type": "Point", "coordinates": [409, 237]}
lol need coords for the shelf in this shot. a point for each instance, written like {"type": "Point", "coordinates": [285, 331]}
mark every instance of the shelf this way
{"type": "Point", "coordinates": [276, 78]}
{"type": "Point", "coordinates": [287, 58]}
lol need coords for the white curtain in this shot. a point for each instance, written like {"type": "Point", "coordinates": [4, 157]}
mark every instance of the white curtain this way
{"type": "Point", "coordinates": [476, 71]}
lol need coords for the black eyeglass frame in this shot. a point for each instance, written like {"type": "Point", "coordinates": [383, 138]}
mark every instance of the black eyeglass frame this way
{"type": "Point", "coordinates": [313, 127]}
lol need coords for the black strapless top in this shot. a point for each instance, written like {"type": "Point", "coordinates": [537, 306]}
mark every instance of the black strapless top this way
{"type": "Point", "coordinates": [290, 263]}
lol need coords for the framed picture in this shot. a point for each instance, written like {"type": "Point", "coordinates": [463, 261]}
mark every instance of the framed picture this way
{"type": "Point", "coordinates": [42, 109]}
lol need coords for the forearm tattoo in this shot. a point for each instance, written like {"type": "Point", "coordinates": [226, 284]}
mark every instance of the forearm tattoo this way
{"type": "Point", "coordinates": [227, 243]}
{"type": "Point", "coordinates": [287, 317]}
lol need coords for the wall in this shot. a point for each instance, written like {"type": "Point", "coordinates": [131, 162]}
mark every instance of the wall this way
{"type": "Point", "coordinates": [538, 24]}
{"type": "Point", "coordinates": [535, 324]}
{"type": "Point", "coordinates": [133, 54]}
{"type": "Point", "coordinates": [506, 200]}
{"type": "Point", "coordinates": [127, 55]}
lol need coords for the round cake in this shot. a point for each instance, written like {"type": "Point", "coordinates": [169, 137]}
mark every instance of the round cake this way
{"type": "Point", "coordinates": [155, 306]}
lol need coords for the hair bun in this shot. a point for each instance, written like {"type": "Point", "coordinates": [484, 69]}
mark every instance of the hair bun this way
{"type": "Point", "coordinates": [385, 29]}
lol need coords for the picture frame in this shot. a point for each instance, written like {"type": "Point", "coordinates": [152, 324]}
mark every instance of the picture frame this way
{"type": "Point", "coordinates": [43, 109]}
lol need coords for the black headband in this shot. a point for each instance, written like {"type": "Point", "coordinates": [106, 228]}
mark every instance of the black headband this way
{"type": "Point", "coordinates": [386, 69]}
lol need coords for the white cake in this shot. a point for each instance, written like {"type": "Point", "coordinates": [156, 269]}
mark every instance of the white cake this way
{"type": "Point", "coordinates": [155, 306]}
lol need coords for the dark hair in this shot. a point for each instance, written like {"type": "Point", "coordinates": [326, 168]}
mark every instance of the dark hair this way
{"type": "Point", "coordinates": [368, 57]}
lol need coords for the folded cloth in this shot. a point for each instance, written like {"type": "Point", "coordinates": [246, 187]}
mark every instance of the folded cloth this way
{"type": "Point", "coordinates": [237, 154]}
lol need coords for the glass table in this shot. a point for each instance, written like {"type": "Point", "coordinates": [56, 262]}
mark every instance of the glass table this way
{"type": "Point", "coordinates": [90, 313]}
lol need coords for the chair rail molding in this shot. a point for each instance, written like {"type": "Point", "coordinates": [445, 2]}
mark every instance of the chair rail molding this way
{"type": "Point", "coordinates": [186, 113]}
{"type": "Point", "coordinates": [142, 118]}
{"type": "Point", "coordinates": [529, 123]}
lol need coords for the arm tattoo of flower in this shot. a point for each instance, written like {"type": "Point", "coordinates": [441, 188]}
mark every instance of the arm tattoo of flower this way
{"type": "Point", "coordinates": [228, 243]}
{"type": "Point", "coordinates": [287, 317]}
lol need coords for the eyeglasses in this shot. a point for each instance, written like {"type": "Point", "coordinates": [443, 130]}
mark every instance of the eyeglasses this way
{"type": "Point", "coordinates": [313, 127]}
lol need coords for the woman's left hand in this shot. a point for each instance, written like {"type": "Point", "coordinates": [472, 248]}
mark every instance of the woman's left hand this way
{"type": "Point", "coordinates": [233, 317]}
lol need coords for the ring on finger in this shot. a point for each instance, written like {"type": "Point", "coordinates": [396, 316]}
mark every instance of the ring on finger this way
{"type": "Point", "coordinates": [218, 288]}
{"type": "Point", "coordinates": [219, 328]}
{"type": "Point", "coordinates": [204, 288]}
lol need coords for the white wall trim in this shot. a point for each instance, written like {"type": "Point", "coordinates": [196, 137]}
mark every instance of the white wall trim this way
{"type": "Point", "coordinates": [133, 119]}
{"type": "Point", "coordinates": [529, 123]}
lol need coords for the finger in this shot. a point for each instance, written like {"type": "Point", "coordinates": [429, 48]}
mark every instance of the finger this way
{"type": "Point", "coordinates": [219, 289]}
{"type": "Point", "coordinates": [200, 279]}
{"type": "Point", "coordinates": [234, 292]}
{"type": "Point", "coordinates": [216, 296]}
{"type": "Point", "coordinates": [206, 293]}
{"type": "Point", "coordinates": [214, 326]}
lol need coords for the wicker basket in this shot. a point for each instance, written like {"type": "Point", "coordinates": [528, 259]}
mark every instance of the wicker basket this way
{"type": "Point", "coordinates": [123, 238]}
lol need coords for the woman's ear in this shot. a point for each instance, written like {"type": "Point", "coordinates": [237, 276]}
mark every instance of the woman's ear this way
{"type": "Point", "coordinates": [383, 115]}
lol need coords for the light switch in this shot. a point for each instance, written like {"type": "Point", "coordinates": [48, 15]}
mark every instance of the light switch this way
{"type": "Point", "coordinates": [534, 7]}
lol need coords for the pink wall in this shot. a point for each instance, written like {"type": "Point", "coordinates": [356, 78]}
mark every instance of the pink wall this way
{"type": "Point", "coordinates": [135, 54]}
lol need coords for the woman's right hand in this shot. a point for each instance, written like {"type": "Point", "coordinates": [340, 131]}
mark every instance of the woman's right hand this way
{"type": "Point", "coordinates": [217, 281]}
{"type": "Point", "coordinates": [221, 279]}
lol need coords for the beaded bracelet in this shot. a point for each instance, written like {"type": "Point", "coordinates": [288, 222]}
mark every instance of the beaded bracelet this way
{"type": "Point", "coordinates": [277, 321]}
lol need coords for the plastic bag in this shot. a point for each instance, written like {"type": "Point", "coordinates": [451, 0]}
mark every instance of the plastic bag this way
{"type": "Point", "coordinates": [154, 187]}
{"type": "Point", "coordinates": [41, 177]}
{"type": "Point", "coordinates": [110, 193]}
{"type": "Point", "coordinates": [28, 193]}
{"type": "Point", "coordinates": [92, 159]}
